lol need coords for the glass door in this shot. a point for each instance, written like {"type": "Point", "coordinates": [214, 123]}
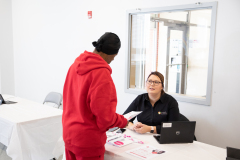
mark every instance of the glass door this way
{"type": "Point", "coordinates": [176, 62]}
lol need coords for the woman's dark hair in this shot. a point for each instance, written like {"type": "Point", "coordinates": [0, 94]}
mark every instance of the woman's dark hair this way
{"type": "Point", "coordinates": [156, 73]}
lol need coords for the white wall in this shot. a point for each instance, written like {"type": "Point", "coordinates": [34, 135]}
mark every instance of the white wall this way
{"type": "Point", "coordinates": [6, 48]}
{"type": "Point", "coordinates": [49, 35]}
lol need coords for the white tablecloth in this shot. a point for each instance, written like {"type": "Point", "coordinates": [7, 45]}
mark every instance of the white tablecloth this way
{"type": "Point", "coordinates": [29, 130]}
{"type": "Point", "coordinates": [184, 151]}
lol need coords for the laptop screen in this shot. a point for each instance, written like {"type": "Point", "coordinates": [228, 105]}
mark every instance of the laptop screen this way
{"type": "Point", "coordinates": [177, 132]}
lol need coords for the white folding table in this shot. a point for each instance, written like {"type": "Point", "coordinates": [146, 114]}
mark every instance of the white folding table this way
{"type": "Point", "coordinates": [184, 151]}
{"type": "Point", "coordinates": [187, 151]}
{"type": "Point", "coordinates": [30, 130]}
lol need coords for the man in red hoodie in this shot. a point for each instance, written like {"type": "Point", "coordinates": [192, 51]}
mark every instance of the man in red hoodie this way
{"type": "Point", "coordinates": [89, 101]}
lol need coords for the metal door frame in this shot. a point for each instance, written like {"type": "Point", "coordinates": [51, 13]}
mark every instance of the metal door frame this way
{"type": "Point", "coordinates": [183, 63]}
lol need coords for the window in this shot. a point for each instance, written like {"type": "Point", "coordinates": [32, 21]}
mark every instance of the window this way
{"type": "Point", "coordinates": [176, 41]}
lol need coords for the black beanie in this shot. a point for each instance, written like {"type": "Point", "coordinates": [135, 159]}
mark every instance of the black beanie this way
{"type": "Point", "coordinates": [108, 43]}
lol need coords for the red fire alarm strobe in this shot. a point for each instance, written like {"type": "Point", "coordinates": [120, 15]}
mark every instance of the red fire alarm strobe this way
{"type": "Point", "coordinates": [89, 14]}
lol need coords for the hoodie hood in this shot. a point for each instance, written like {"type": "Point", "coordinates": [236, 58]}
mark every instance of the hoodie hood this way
{"type": "Point", "coordinates": [89, 61]}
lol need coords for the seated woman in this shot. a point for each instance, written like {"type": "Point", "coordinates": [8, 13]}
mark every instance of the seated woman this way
{"type": "Point", "coordinates": [156, 106]}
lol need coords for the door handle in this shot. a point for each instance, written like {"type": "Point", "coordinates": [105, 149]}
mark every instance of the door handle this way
{"type": "Point", "coordinates": [175, 64]}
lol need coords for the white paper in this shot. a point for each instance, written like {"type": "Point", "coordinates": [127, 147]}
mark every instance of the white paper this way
{"type": "Point", "coordinates": [117, 140]}
{"type": "Point", "coordinates": [145, 152]}
{"type": "Point", "coordinates": [132, 114]}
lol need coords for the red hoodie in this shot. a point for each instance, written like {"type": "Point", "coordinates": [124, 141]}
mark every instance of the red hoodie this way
{"type": "Point", "coordinates": [89, 105]}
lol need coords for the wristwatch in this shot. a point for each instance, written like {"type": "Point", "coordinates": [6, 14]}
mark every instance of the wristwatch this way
{"type": "Point", "coordinates": [152, 129]}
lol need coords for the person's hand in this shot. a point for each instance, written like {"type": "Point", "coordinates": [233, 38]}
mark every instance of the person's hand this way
{"type": "Point", "coordinates": [137, 125]}
{"type": "Point", "coordinates": [130, 126]}
{"type": "Point", "coordinates": [143, 129]}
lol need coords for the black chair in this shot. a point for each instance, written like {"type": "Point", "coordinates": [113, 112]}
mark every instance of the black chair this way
{"type": "Point", "coordinates": [183, 118]}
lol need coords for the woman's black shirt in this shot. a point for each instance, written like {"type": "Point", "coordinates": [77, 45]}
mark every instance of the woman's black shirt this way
{"type": "Point", "coordinates": [164, 110]}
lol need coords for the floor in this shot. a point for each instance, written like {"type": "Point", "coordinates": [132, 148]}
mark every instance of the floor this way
{"type": "Point", "coordinates": [4, 156]}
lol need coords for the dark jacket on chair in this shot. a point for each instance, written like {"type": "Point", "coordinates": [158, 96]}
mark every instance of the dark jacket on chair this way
{"type": "Point", "coordinates": [183, 118]}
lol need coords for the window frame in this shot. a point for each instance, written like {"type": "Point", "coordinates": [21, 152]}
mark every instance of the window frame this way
{"type": "Point", "coordinates": [178, 97]}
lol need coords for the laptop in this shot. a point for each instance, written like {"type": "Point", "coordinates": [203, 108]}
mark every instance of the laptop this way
{"type": "Point", "coordinates": [6, 102]}
{"type": "Point", "coordinates": [233, 153]}
{"type": "Point", "coordinates": [176, 132]}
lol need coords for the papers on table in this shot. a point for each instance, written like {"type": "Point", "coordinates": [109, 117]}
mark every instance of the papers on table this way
{"type": "Point", "coordinates": [145, 152]}
{"type": "Point", "coordinates": [118, 140]}
{"type": "Point", "coordinates": [132, 114]}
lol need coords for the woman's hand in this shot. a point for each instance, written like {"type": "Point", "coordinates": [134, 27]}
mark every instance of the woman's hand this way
{"type": "Point", "coordinates": [130, 126]}
{"type": "Point", "coordinates": [138, 125]}
{"type": "Point", "coordinates": [142, 128]}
